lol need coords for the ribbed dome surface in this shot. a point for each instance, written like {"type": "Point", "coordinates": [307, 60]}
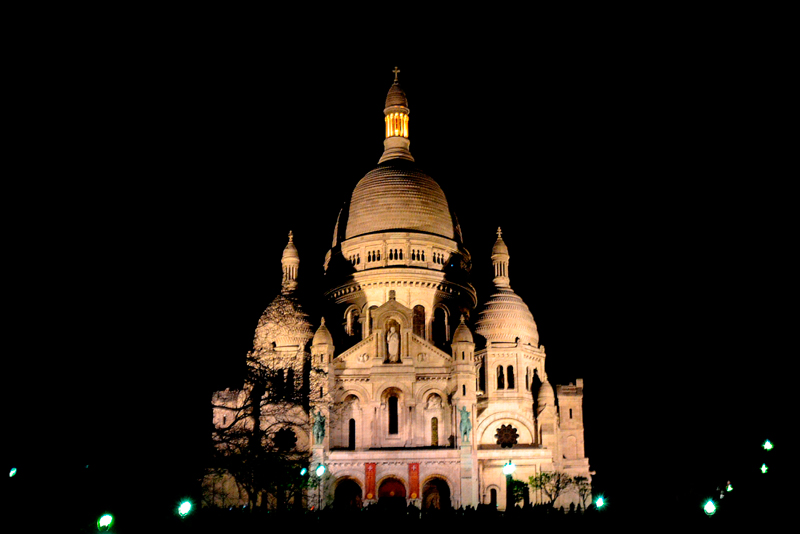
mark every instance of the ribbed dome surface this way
{"type": "Point", "coordinates": [506, 317]}
{"type": "Point", "coordinates": [283, 323]}
{"type": "Point", "coordinates": [397, 196]}
{"type": "Point", "coordinates": [396, 96]}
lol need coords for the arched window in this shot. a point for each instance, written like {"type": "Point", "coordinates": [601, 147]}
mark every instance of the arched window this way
{"type": "Point", "coordinates": [501, 381]}
{"type": "Point", "coordinates": [393, 420]}
{"type": "Point", "coordinates": [510, 377]}
{"type": "Point", "coordinates": [439, 326]}
{"type": "Point", "coordinates": [351, 434]}
{"type": "Point", "coordinates": [435, 432]}
{"type": "Point", "coordinates": [353, 326]}
{"type": "Point", "coordinates": [419, 321]}
{"type": "Point", "coordinates": [372, 318]}
{"type": "Point", "coordinates": [493, 497]}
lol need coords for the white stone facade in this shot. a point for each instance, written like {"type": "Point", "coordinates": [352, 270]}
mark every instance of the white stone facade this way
{"type": "Point", "coordinates": [431, 415]}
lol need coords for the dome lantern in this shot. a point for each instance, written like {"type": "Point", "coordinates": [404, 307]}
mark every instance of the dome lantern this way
{"type": "Point", "coordinates": [396, 118]}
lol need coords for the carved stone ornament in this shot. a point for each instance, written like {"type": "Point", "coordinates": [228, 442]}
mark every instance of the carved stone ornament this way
{"type": "Point", "coordinates": [506, 436]}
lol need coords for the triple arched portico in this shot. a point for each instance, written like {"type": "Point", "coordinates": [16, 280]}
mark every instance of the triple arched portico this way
{"type": "Point", "coordinates": [392, 484]}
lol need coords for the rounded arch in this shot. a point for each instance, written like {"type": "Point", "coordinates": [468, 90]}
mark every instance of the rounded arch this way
{"type": "Point", "coordinates": [352, 321]}
{"type": "Point", "coordinates": [440, 324]}
{"type": "Point", "coordinates": [487, 428]}
{"type": "Point", "coordinates": [356, 391]}
{"type": "Point", "coordinates": [348, 494]}
{"type": "Point", "coordinates": [424, 392]}
{"type": "Point", "coordinates": [392, 391]}
{"type": "Point", "coordinates": [392, 491]}
{"type": "Point", "coordinates": [382, 316]}
{"type": "Point", "coordinates": [492, 495]}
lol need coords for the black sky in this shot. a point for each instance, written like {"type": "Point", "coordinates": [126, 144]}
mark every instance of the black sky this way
{"type": "Point", "coordinates": [641, 182]}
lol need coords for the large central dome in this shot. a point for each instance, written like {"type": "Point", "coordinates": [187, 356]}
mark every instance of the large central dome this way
{"type": "Point", "coordinates": [397, 196]}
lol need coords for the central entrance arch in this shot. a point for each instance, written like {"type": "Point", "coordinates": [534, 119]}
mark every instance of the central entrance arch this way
{"type": "Point", "coordinates": [392, 494]}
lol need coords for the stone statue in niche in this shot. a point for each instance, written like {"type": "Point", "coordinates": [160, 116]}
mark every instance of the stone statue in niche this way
{"type": "Point", "coordinates": [319, 427]}
{"type": "Point", "coordinates": [393, 345]}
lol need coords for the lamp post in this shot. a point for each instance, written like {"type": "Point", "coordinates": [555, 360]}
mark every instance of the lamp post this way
{"type": "Point", "coordinates": [319, 472]}
{"type": "Point", "coordinates": [508, 471]}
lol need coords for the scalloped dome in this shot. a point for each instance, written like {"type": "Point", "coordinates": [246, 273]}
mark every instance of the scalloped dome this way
{"type": "Point", "coordinates": [282, 323]}
{"type": "Point", "coordinates": [506, 317]}
{"type": "Point", "coordinates": [398, 196]}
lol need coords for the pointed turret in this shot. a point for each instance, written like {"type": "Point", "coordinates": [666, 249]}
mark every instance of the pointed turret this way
{"type": "Point", "coordinates": [290, 262]}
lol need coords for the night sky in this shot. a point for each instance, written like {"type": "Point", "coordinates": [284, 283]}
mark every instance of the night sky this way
{"type": "Point", "coordinates": [640, 183]}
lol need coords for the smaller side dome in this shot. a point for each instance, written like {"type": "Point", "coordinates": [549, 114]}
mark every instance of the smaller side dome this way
{"type": "Point", "coordinates": [462, 333]}
{"type": "Point", "coordinates": [546, 397]}
{"type": "Point", "coordinates": [322, 336]}
{"type": "Point", "coordinates": [283, 324]}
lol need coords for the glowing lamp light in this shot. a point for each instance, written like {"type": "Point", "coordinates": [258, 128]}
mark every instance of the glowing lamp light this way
{"type": "Point", "coordinates": [509, 468]}
{"type": "Point", "coordinates": [12, 473]}
{"type": "Point", "coordinates": [764, 468]}
{"type": "Point", "coordinates": [184, 508]}
{"type": "Point", "coordinates": [710, 508]}
{"type": "Point", "coordinates": [600, 502]}
{"type": "Point", "coordinates": [105, 522]}
{"type": "Point", "coordinates": [303, 472]}
{"type": "Point", "coordinates": [767, 445]}
{"type": "Point", "coordinates": [320, 470]}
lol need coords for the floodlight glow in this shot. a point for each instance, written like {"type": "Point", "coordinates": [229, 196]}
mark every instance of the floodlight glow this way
{"type": "Point", "coordinates": [767, 445]}
{"type": "Point", "coordinates": [105, 522]}
{"type": "Point", "coordinates": [13, 472]}
{"type": "Point", "coordinates": [709, 507]}
{"type": "Point", "coordinates": [320, 470]}
{"type": "Point", "coordinates": [303, 472]}
{"type": "Point", "coordinates": [184, 508]}
{"type": "Point", "coordinates": [600, 502]}
{"type": "Point", "coordinates": [764, 468]}
{"type": "Point", "coordinates": [729, 487]}
{"type": "Point", "coordinates": [509, 468]}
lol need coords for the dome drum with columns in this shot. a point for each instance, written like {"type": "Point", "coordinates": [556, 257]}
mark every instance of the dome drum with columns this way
{"type": "Point", "coordinates": [421, 389]}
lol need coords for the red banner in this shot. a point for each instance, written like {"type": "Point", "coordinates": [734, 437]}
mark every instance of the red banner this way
{"type": "Point", "coordinates": [413, 481]}
{"type": "Point", "coordinates": [369, 477]}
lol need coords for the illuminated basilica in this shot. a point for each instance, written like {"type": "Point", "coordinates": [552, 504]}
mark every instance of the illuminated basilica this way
{"type": "Point", "coordinates": [416, 391]}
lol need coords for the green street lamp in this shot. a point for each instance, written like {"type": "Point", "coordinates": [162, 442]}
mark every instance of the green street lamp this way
{"type": "Point", "coordinates": [105, 521]}
{"type": "Point", "coordinates": [710, 508]}
{"type": "Point", "coordinates": [764, 468]}
{"type": "Point", "coordinates": [508, 470]}
{"type": "Point", "coordinates": [184, 508]}
{"type": "Point", "coordinates": [320, 470]}
{"type": "Point", "coordinates": [12, 473]}
{"type": "Point", "coordinates": [767, 445]}
{"type": "Point", "coordinates": [600, 502]}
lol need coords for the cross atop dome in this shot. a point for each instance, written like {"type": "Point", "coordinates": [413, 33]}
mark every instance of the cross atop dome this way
{"type": "Point", "coordinates": [396, 72]}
